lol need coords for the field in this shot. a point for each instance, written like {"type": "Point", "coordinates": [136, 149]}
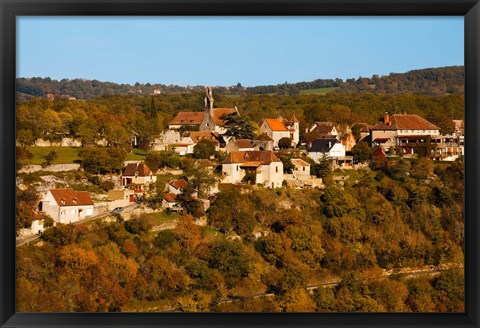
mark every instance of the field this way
{"type": "Point", "coordinates": [65, 155]}
{"type": "Point", "coordinates": [68, 155]}
{"type": "Point", "coordinates": [319, 91]}
{"type": "Point", "coordinates": [136, 155]}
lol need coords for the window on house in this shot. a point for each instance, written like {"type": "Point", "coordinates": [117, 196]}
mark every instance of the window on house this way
{"type": "Point", "coordinates": [182, 121]}
{"type": "Point", "coordinates": [75, 211]}
{"type": "Point", "coordinates": [276, 169]}
{"type": "Point", "coordinates": [238, 167]}
{"type": "Point", "coordinates": [303, 168]}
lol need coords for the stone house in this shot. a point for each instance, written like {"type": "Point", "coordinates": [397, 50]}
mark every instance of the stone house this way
{"type": "Point", "coordinates": [275, 129]}
{"type": "Point", "coordinates": [137, 176]}
{"type": "Point", "coordinates": [301, 169]}
{"type": "Point", "coordinates": [401, 126]}
{"type": "Point", "coordinates": [67, 205]}
{"type": "Point", "coordinates": [190, 120]}
{"type": "Point", "coordinates": [348, 141]}
{"type": "Point", "coordinates": [239, 144]}
{"type": "Point", "coordinates": [262, 167]}
{"type": "Point", "coordinates": [120, 198]}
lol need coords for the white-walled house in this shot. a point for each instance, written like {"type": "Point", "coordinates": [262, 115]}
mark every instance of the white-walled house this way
{"type": "Point", "coordinates": [263, 166]}
{"type": "Point", "coordinates": [67, 205]}
{"type": "Point", "coordinates": [275, 129]}
{"type": "Point", "coordinates": [330, 148]}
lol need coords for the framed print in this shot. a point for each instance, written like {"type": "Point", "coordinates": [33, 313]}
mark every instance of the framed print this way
{"type": "Point", "coordinates": [209, 163]}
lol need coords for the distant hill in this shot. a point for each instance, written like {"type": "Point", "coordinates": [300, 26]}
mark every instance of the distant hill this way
{"type": "Point", "coordinates": [433, 81]}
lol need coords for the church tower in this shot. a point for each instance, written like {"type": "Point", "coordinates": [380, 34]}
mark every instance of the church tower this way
{"type": "Point", "coordinates": [207, 123]}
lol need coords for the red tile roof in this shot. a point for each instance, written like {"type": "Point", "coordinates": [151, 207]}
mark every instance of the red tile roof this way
{"type": "Point", "coordinates": [219, 112]}
{"type": "Point", "coordinates": [170, 197]}
{"type": "Point", "coordinates": [324, 128]}
{"type": "Point", "coordinates": [244, 143]}
{"type": "Point", "coordinates": [188, 118]}
{"type": "Point", "coordinates": [70, 197]}
{"type": "Point", "coordinates": [141, 169]}
{"type": "Point", "coordinates": [252, 164]}
{"type": "Point", "coordinates": [406, 122]}
{"type": "Point", "coordinates": [196, 136]}
{"type": "Point", "coordinates": [264, 156]}
{"type": "Point", "coordinates": [179, 184]}
{"type": "Point", "coordinates": [264, 136]}
{"type": "Point", "coordinates": [299, 161]}
{"type": "Point", "coordinates": [275, 124]}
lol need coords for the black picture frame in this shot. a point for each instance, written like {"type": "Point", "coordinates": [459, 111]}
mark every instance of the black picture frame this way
{"type": "Point", "coordinates": [470, 9]}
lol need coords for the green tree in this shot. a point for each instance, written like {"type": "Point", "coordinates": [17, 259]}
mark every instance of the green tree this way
{"type": "Point", "coordinates": [238, 126]}
{"type": "Point", "coordinates": [229, 258]}
{"type": "Point", "coordinates": [285, 143]}
{"type": "Point", "coordinates": [50, 157]}
{"type": "Point", "coordinates": [204, 149]}
{"type": "Point", "coordinates": [361, 152]}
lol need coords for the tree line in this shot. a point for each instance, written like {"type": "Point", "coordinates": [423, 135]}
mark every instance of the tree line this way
{"type": "Point", "coordinates": [118, 119]}
{"type": "Point", "coordinates": [434, 81]}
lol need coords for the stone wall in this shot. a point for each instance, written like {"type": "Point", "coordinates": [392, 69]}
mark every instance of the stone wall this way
{"type": "Point", "coordinates": [50, 168]}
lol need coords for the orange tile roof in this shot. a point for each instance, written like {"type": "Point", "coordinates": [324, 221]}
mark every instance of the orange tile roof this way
{"type": "Point", "coordinates": [196, 136]}
{"type": "Point", "coordinates": [275, 125]}
{"type": "Point", "coordinates": [170, 197]}
{"type": "Point", "coordinates": [141, 169]}
{"type": "Point", "coordinates": [219, 112]}
{"type": "Point", "coordinates": [244, 143]}
{"type": "Point", "coordinates": [264, 156]}
{"type": "Point", "coordinates": [188, 118]}
{"type": "Point", "coordinates": [179, 184]}
{"type": "Point", "coordinates": [70, 197]}
{"type": "Point", "coordinates": [252, 164]}
{"type": "Point", "coordinates": [406, 122]}
{"type": "Point", "coordinates": [299, 161]}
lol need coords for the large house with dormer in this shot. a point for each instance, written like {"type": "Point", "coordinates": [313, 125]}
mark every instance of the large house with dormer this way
{"type": "Point", "coordinates": [67, 205]}
{"type": "Point", "coordinates": [399, 129]}
{"type": "Point", "coordinates": [258, 167]}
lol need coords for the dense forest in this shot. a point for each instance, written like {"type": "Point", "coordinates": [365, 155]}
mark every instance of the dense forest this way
{"type": "Point", "coordinates": [432, 81]}
{"type": "Point", "coordinates": [404, 214]}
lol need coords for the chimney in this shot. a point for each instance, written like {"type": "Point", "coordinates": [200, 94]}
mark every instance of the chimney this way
{"type": "Point", "coordinates": [386, 118]}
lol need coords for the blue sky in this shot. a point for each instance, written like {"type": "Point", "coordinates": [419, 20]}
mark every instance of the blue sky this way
{"type": "Point", "coordinates": [225, 51]}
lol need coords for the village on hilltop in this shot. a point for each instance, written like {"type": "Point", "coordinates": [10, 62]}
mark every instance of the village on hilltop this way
{"type": "Point", "coordinates": [255, 161]}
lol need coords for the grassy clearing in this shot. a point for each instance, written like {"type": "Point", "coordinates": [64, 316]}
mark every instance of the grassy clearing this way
{"type": "Point", "coordinates": [211, 231]}
{"type": "Point", "coordinates": [65, 155]}
{"type": "Point", "coordinates": [161, 217]}
{"type": "Point", "coordinates": [319, 91]}
{"type": "Point", "coordinates": [137, 155]}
